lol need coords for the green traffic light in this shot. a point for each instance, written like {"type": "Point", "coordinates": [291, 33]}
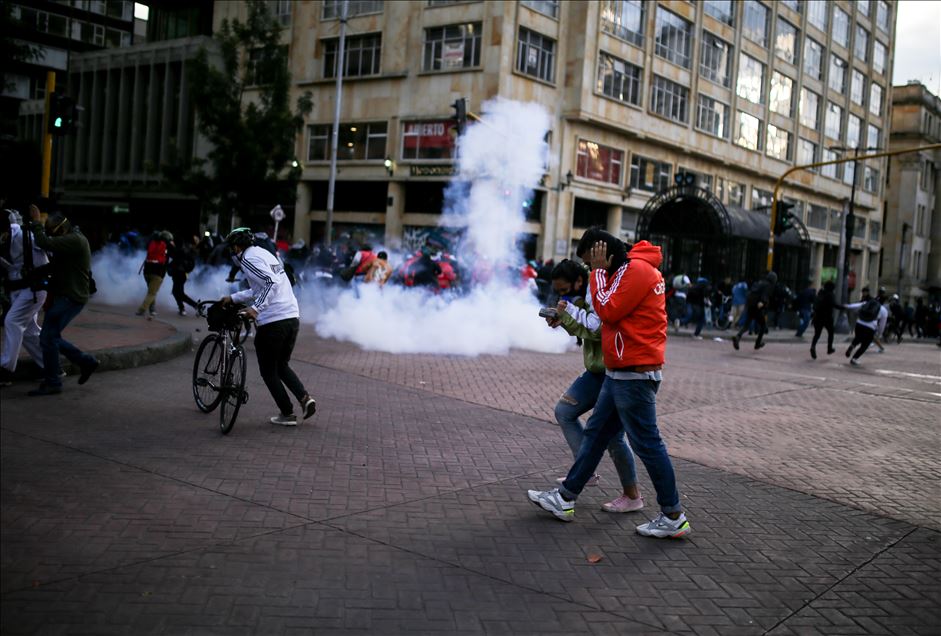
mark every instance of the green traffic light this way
{"type": "Point", "coordinates": [57, 123]}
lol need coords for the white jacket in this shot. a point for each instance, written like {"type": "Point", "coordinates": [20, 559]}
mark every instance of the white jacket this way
{"type": "Point", "coordinates": [877, 325]}
{"type": "Point", "coordinates": [270, 290]}
{"type": "Point", "coordinates": [15, 265]}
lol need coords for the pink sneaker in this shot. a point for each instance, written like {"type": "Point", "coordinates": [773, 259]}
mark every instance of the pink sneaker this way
{"type": "Point", "coordinates": [592, 481]}
{"type": "Point", "coordinates": [623, 504]}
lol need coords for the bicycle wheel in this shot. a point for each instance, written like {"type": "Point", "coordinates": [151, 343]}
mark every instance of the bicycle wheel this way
{"type": "Point", "coordinates": [233, 392]}
{"type": "Point", "coordinates": [207, 373]}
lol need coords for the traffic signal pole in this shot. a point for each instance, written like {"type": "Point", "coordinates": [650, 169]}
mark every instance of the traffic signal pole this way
{"type": "Point", "coordinates": [47, 136]}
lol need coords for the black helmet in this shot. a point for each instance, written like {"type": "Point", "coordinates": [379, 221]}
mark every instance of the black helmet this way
{"type": "Point", "coordinates": [241, 237]}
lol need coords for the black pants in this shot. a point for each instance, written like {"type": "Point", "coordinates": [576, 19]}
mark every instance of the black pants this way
{"type": "Point", "coordinates": [862, 338]}
{"type": "Point", "coordinates": [818, 329]}
{"type": "Point", "coordinates": [757, 316]}
{"type": "Point", "coordinates": [179, 293]}
{"type": "Point", "coordinates": [274, 344]}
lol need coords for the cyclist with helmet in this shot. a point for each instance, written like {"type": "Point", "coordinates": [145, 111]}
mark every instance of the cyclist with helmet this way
{"type": "Point", "coordinates": [274, 308]}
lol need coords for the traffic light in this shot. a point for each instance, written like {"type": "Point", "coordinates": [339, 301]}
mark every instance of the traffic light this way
{"type": "Point", "coordinates": [684, 179]}
{"type": "Point", "coordinates": [460, 114]}
{"type": "Point", "coordinates": [784, 219]}
{"type": "Point", "coordinates": [62, 114]}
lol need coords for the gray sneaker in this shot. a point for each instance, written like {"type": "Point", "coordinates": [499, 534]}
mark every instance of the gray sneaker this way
{"type": "Point", "coordinates": [551, 501]}
{"type": "Point", "coordinates": [284, 420]}
{"type": "Point", "coordinates": [662, 527]}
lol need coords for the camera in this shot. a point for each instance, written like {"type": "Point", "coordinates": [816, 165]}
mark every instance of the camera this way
{"type": "Point", "coordinates": [548, 312]}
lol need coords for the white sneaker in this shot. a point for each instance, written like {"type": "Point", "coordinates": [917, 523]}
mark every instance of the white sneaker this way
{"type": "Point", "coordinates": [551, 501]}
{"type": "Point", "coordinates": [854, 362]}
{"type": "Point", "coordinates": [665, 528]}
{"type": "Point", "coordinates": [284, 420]}
{"type": "Point", "coordinates": [310, 407]}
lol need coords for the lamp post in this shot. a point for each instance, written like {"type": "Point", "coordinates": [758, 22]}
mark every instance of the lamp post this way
{"type": "Point", "coordinates": [334, 136]}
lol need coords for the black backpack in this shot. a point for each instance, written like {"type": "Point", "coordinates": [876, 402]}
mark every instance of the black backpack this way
{"type": "Point", "coordinates": [870, 311]}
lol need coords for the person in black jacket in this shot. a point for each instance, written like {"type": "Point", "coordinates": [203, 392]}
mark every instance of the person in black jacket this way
{"type": "Point", "coordinates": [824, 304]}
{"type": "Point", "coordinates": [756, 306]}
{"type": "Point", "coordinates": [182, 262]}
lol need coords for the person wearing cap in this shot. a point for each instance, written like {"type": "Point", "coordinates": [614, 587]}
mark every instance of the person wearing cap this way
{"type": "Point", "coordinates": [273, 306]}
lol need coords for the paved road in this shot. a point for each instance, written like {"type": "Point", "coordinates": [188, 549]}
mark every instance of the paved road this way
{"type": "Point", "coordinates": [400, 507]}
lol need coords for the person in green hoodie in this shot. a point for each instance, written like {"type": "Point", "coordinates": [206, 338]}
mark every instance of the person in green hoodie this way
{"type": "Point", "coordinates": [70, 289]}
{"type": "Point", "coordinates": [576, 317]}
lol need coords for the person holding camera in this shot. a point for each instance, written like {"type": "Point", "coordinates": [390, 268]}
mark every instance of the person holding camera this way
{"type": "Point", "coordinates": [70, 287]}
{"type": "Point", "coordinates": [276, 314]}
{"type": "Point", "coordinates": [576, 317]}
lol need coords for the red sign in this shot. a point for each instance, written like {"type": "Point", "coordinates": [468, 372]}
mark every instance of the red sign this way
{"type": "Point", "coordinates": [429, 134]}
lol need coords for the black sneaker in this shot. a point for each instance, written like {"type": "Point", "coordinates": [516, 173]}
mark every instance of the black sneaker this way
{"type": "Point", "coordinates": [86, 371]}
{"type": "Point", "coordinates": [759, 345]}
{"type": "Point", "coordinates": [813, 353]}
{"type": "Point", "coordinates": [310, 407]}
{"type": "Point", "coordinates": [6, 377]}
{"type": "Point", "coordinates": [735, 342]}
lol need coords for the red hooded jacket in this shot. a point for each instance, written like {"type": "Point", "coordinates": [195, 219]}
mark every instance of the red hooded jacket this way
{"type": "Point", "coordinates": [632, 308]}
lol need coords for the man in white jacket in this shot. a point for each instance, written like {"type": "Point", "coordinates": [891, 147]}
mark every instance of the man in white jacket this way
{"type": "Point", "coordinates": [274, 308]}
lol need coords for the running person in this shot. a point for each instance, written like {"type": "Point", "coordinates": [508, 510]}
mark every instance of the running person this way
{"type": "Point", "coordinates": [757, 305]}
{"type": "Point", "coordinates": [274, 308]}
{"type": "Point", "coordinates": [869, 322]}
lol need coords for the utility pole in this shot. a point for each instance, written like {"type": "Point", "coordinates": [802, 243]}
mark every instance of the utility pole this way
{"type": "Point", "coordinates": [335, 136]}
{"type": "Point", "coordinates": [47, 135]}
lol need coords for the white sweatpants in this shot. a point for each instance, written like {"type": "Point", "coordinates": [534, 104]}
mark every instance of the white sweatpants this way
{"type": "Point", "coordinates": [20, 328]}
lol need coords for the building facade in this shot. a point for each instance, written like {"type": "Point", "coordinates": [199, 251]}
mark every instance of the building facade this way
{"type": "Point", "coordinates": [911, 261]}
{"type": "Point", "coordinates": [734, 92]}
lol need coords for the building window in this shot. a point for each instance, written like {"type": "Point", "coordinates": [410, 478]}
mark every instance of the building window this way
{"type": "Point", "coordinates": [669, 99]}
{"type": "Point", "coordinates": [858, 88]}
{"type": "Point", "coordinates": [809, 108]}
{"type": "Point", "coordinates": [356, 142]}
{"type": "Point", "coordinates": [361, 57]}
{"type": "Point", "coordinates": [721, 10]}
{"type": "Point", "coordinates": [736, 193]}
{"type": "Point", "coordinates": [755, 26]}
{"type": "Point", "coordinates": [535, 55]}
{"type": "Point", "coordinates": [703, 181]}
{"type": "Point", "coordinates": [760, 200]}
{"type": "Point", "coordinates": [712, 116]}
{"type": "Point", "coordinates": [715, 60]}
{"type": "Point", "coordinates": [751, 79]}
{"type": "Point", "coordinates": [863, 7]}
{"type": "Point", "coordinates": [875, 99]}
{"type": "Point", "coordinates": [779, 143]}
{"type": "Point", "coordinates": [875, 227]}
{"type": "Point", "coordinates": [452, 47]}
{"type": "Point", "coordinates": [806, 153]}
{"type": "Point", "coordinates": [748, 131]}
{"type": "Point", "coordinates": [619, 79]}
{"type": "Point", "coordinates": [834, 121]}
{"type": "Point", "coordinates": [861, 44]}
{"type": "Point", "coordinates": [650, 175]}
{"type": "Point", "coordinates": [870, 180]}
{"type": "Point", "coordinates": [262, 69]}
{"type": "Point", "coordinates": [674, 38]}
{"type": "Point", "coordinates": [625, 19]}
{"type": "Point", "coordinates": [599, 163]}
{"type": "Point", "coordinates": [853, 129]}
{"type": "Point", "coordinates": [781, 95]}
{"type": "Point", "coordinates": [837, 74]}
{"type": "Point", "coordinates": [428, 139]}
{"type": "Point", "coordinates": [280, 9]}
{"type": "Point", "coordinates": [547, 7]}
{"type": "Point", "coordinates": [849, 172]}
{"type": "Point", "coordinates": [332, 8]}
{"type": "Point", "coordinates": [817, 217]}
{"type": "Point", "coordinates": [841, 27]}
{"type": "Point", "coordinates": [817, 13]}
{"type": "Point", "coordinates": [813, 58]}
{"type": "Point", "coordinates": [873, 135]}
{"type": "Point", "coordinates": [830, 171]}
{"type": "Point", "coordinates": [878, 57]}
{"type": "Point", "coordinates": [785, 41]}
{"type": "Point", "coordinates": [882, 15]}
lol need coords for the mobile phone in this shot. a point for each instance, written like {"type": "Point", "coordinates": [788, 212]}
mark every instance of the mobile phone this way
{"type": "Point", "coordinates": [548, 312]}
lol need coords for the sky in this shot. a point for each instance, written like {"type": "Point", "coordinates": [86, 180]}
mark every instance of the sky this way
{"type": "Point", "coordinates": [918, 44]}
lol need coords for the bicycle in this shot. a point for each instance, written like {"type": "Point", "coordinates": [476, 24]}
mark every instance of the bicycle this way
{"type": "Point", "coordinates": [220, 364]}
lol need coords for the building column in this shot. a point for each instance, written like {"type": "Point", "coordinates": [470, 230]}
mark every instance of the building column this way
{"type": "Point", "coordinates": [615, 216]}
{"type": "Point", "coordinates": [302, 212]}
{"type": "Point", "coordinates": [819, 249]}
{"type": "Point", "coordinates": [395, 212]}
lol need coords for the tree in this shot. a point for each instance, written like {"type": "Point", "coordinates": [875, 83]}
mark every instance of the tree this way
{"type": "Point", "coordinates": [243, 110]}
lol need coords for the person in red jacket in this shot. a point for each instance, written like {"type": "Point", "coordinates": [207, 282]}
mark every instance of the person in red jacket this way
{"type": "Point", "coordinates": [628, 296]}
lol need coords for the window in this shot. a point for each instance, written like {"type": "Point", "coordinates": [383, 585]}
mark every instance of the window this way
{"type": "Point", "coordinates": [853, 129]}
{"type": "Point", "coordinates": [831, 170]}
{"type": "Point", "coordinates": [332, 8]}
{"type": "Point", "coordinates": [882, 15]}
{"type": "Point", "coordinates": [720, 189]}
{"type": "Point", "coordinates": [736, 193]}
{"type": "Point", "coordinates": [834, 120]}
{"type": "Point", "coordinates": [859, 230]}
{"type": "Point", "coordinates": [715, 60]}
{"type": "Point", "coordinates": [875, 227]}
{"type": "Point", "coordinates": [878, 57]}
{"type": "Point", "coordinates": [809, 108]}
{"type": "Point", "coordinates": [721, 10]}
{"type": "Point", "coordinates": [817, 217]}
{"type": "Point", "coordinates": [355, 142]}
{"type": "Point", "coordinates": [841, 27]}
{"type": "Point", "coordinates": [535, 55]}
{"type": "Point", "coordinates": [873, 135]}
{"type": "Point", "coordinates": [362, 56]}
{"type": "Point", "coordinates": [806, 152]}
{"type": "Point", "coordinates": [875, 99]}
{"type": "Point", "coordinates": [785, 41]}
{"type": "Point", "coordinates": [261, 69]}
{"type": "Point", "coordinates": [780, 99]}
{"type": "Point", "coordinates": [280, 9]}
{"type": "Point", "coordinates": [599, 163]}
{"type": "Point", "coordinates": [779, 143]}
{"type": "Point", "coordinates": [748, 131]}
{"type": "Point", "coordinates": [751, 79]}
{"type": "Point", "coordinates": [428, 139]}
{"type": "Point", "coordinates": [451, 47]}
{"type": "Point", "coordinates": [863, 6]}
{"type": "Point", "coordinates": [669, 99]}
{"type": "Point", "coordinates": [548, 7]}
{"type": "Point", "coordinates": [619, 79]}
{"type": "Point", "coordinates": [817, 13]}
{"type": "Point", "coordinates": [625, 18]}
{"type": "Point", "coordinates": [837, 74]}
{"type": "Point", "coordinates": [650, 175]}
{"type": "Point", "coordinates": [861, 44]}
{"type": "Point", "coordinates": [813, 58]}
{"type": "Point", "coordinates": [712, 116]}
{"type": "Point", "coordinates": [674, 37]}
{"type": "Point", "coordinates": [755, 20]}
{"type": "Point", "coordinates": [858, 88]}
{"type": "Point", "coordinates": [917, 259]}
{"type": "Point", "coordinates": [760, 200]}
{"type": "Point", "coordinates": [849, 171]}
{"type": "Point", "coordinates": [703, 181]}
{"type": "Point", "coordinates": [870, 180]}
{"type": "Point", "coordinates": [793, 5]}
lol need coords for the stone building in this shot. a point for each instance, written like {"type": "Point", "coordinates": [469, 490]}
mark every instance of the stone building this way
{"type": "Point", "coordinates": [734, 93]}
{"type": "Point", "coordinates": [911, 261]}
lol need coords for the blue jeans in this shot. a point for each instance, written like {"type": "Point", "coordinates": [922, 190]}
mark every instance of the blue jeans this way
{"type": "Point", "coordinates": [697, 315]}
{"type": "Point", "coordinates": [635, 403]}
{"type": "Point", "coordinates": [61, 313]}
{"type": "Point", "coordinates": [578, 400]}
{"type": "Point", "coordinates": [805, 320]}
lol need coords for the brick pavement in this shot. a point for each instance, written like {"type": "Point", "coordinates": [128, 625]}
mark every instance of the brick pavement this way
{"type": "Point", "coordinates": [397, 510]}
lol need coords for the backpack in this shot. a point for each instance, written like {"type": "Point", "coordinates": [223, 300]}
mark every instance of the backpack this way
{"type": "Point", "coordinates": [869, 311]}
